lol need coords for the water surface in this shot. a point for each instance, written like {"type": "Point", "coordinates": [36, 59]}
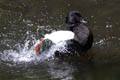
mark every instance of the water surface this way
{"type": "Point", "coordinates": [24, 22]}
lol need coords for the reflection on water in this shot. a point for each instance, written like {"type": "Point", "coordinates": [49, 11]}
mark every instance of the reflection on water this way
{"type": "Point", "coordinates": [23, 23]}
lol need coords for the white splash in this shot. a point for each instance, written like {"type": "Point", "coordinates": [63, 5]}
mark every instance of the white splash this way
{"type": "Point", "coordinates": [25, 53]}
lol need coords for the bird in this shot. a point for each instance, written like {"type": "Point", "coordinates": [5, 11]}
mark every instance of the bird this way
{"type": "Point", "coordinates": [78, 37]}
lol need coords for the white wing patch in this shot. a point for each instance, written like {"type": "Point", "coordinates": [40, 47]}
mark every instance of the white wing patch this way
{"type": "Point", "coordinates": [59, 36]}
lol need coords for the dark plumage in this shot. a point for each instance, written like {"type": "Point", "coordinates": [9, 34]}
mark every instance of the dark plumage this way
{"type": "Point", "coordinates": [83, 38]}
{"type": "Point", "coordinates": [79, 38]}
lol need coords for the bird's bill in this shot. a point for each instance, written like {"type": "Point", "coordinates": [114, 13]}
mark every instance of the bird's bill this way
{"type": "Point", "coordinates": [82, 20]}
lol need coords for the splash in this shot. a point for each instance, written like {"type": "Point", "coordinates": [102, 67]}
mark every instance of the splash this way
{"type": "Point", "coordinates": [25, 52]}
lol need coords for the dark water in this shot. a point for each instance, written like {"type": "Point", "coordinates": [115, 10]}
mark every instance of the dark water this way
{"type": "Point", "coordinates": [23, 22]}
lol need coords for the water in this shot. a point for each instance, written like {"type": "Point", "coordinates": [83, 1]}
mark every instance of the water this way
{"type": "Point", "coordinates": [24, 23]}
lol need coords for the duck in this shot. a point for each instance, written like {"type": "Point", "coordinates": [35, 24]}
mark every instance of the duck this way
{"type": "Point", "coordinates": [78, 37]}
